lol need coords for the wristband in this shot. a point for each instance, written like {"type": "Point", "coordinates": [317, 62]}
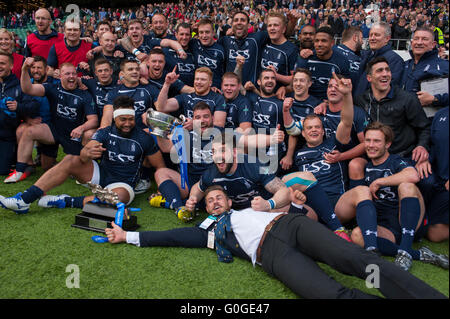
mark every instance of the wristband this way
{"type": "Point", "coordinates": [180, 50]}
{"type": "Point", "coordinates": [272, 203]}
{"type": "Point", "coordinates": [136, 52]}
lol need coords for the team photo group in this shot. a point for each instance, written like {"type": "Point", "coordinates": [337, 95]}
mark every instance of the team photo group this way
{"type": "Point", "coordinates": [308, 131]}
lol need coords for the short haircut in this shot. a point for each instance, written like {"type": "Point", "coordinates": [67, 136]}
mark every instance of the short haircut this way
{"type": "Point", "coordinates": [159, 14]}
{"type": "Point", "coordinates": [379, 59]}
{"type": "Point", "coordinates": [156, 51]}
{"type": "Point", "coordinates": [134, 21]}
{"type": "Point", "coordinates": [216, 188]}
{"type": "Point", "coordinates": [386, 129]}
{"type": "Point", "coordinates": [312, 116]}
{"type": "Point", "coordinates": [66, 64]}
{"type": "Point", "coordinates": [205, 21]}
{"type": "Point", "coordinates": [9, 56]}
{"type": "Point", "coordinates": [231, 75]}
{"type": "Point", "coordinates": [204, 69]}
{"type": "Point", "coordinates": [183, 25]}
{"type": "Point", "coordinates": [383, 25]}
{"type": "Point", "coordinates": [302, 70]}
{"type": "Point", "coordinates": [279, 15]}
{"type": "Point", "coordinates": [241, 12]}
{"type": "Point", "coordinates": [9, 33]}
{"type": "Point", "coordinates": [350, 32]}
{"type": "Point", "coordinates": [201, 106]}
{"type": "Point", "coordinates": [123, 102]}
{"type": "Point", "coordinates": [100, 61]}
{"type": "Point", "coordinates": [38, 58]}
{"type": "Point", "coordinates": [264, 71]}
{"type": "Point", "coordinates": [327, 30]}
{"type": "Point", "coordinates": [126, 61]}
{"type": "Point", "coordinates": [425, 29]}
{"type": "Point", "coordinates": [104, 23]}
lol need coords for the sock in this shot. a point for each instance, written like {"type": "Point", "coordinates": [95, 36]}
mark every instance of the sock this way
{"type": "Point", "coordinates": [355, 182]}
{"type": "Point", "coordinates": [171, 193]}
{"type": "Point", "coordinates": [146, 173]}
{"type": "Point", "coordinates": [409, 217]}
{"type": "Point", "coordinates": [318, 200]}
{"type": "Point", "coordinates": [31, 194]}
{"type": "Point", "coordinates": [21, 167]}
{"type": "Point", "coordinates": [366, 217]}
{"type": "Point", "coordinates": [74, 202]}
{"type": "Point", "coordinates": [387, 247]}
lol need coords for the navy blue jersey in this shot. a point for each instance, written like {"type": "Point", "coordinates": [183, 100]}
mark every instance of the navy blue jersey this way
{"type": "Point", "coordinates": [212, 57]}
{"type": "Point", "coordinates": [322, 71]}
{"type": "Point", "coordinates": [267, 114]}
{"type": "Point", "coordinates": [243, 185]}
{"type": "Point", "coordinates": [200, 150]}
{"type": "Point", "coordinates": [300, 109]}
{"type": "Point", "coordinates": [240, 110]}
{"type": "Point", "coordinates": [186, 102]}
{"type": "Point", "coordinates": [68, 109]}
{"type": "Point", "coordinates": [250, 48]}
{"type": "Point", "coordinates": [147, 44]}
{"type": "Point", "coordinates": [439, 143]}
{"type": "Point", "coordinates": [98, 92]}
{"type": "Point", "coordinates": [281, 56]}
{"type": "Point", "coordinates": [185, 67]}
{"type": "Point", "coordinates": [122, 160]}
{"type": "Point", "coordinates": [360, 121]}
{"type": "Point", "coordinates": [332, 177]}
{"type": "Point", "coordinates": [353, 59]}
{"type": "Point", "coordinates": [174, 89]}
{"type": "Point", "coordinates": [388, 195]}
{"type": "Point", "coordinates": [144, 97]}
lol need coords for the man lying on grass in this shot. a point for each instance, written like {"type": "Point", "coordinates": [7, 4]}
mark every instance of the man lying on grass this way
{"type": "Point", "coordinates": [287, 246]}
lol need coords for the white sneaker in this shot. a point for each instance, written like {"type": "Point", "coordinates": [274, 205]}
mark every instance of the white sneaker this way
{"type": "Point", "coordinates": [142, 186]}
{"type": "Point", "coordinates": [56, 201]}
{"type": "Point", "coordinates": [15, 203]}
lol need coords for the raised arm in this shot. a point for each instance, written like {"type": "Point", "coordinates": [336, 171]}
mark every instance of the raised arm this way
{"type": "Point", "coordinates": [344, 128]}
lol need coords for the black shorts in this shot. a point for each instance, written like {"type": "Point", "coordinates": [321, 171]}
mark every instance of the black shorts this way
{"type": "Point", "coordinates": [69, 146]}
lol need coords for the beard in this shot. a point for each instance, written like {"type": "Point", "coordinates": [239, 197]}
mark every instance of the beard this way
{"type": "Point", "coordinates": [267, 91]}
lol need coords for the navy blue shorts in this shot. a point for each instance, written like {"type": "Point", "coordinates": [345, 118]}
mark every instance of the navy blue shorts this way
{"type": "Point", "coordinates": [8, 157]}
{"type": "Point", "coordinates": [69, 146]}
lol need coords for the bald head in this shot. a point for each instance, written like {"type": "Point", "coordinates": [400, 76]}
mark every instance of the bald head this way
{"type": "Point", "coordinates": [43, 21]}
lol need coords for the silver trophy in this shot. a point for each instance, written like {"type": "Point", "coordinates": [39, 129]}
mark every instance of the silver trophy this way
{"type": "Point", "coordinates": [162, 124]}
{"type": "Point", "coordinates": [104, 195]}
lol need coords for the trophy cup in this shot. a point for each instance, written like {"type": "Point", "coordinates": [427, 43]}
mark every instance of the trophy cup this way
{"type": "Point", "coordinates": [162, 124]}
{"type": "Point", "coordinates": [99, 213]}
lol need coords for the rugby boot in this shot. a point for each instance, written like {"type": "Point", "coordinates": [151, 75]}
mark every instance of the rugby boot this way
{"type": "Point", "coordinates": [16, 176]}
{"type": "Point", "coordinates": [184, 215]}
{"type": "Point", "coordinates": [56, 201]}
{"type": "Point", "coordinates": [15, 204]}
{"type": "Point", "coordinates": [343, 234]}
{"type": "Point", "coordinates": [428, 256]}
{"type": "Point", "coordinates": [403, 260]}
{"type": "Point", "coordinates": [157, 200]}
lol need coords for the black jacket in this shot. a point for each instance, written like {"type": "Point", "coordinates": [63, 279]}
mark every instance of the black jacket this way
{"type": "Point", "coordinates": [402, 111]}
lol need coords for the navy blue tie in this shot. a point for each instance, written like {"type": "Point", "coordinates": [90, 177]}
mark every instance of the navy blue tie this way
{"type": "Point", "coordinates": [223, 225]}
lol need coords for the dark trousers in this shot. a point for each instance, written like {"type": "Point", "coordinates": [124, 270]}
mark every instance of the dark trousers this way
{"type": "Point", "coordinates": [296, 243]}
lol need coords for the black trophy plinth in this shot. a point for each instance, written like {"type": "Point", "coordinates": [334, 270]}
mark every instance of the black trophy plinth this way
{"type": "Point", "coordinates": [98, 216]}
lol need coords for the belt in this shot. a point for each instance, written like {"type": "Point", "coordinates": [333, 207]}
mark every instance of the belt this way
{"type": "Point", "coordinates": [266, 231]}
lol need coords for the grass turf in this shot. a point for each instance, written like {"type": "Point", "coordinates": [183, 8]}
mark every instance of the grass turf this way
{"type": "Point", "coordinates": [36, 249]}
